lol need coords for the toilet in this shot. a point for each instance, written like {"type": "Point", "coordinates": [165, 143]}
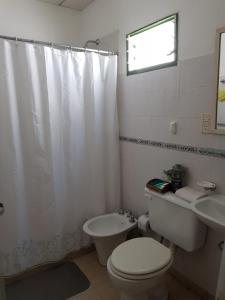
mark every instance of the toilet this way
{"type": "Point", "coordinates": [137, 267]}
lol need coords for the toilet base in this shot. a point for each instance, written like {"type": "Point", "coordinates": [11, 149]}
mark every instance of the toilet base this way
{"type": "Point", "coordinates": [139, 297]}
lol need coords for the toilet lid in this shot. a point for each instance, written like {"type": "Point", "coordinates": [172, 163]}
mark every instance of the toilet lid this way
{"type": "Point", "coordinates": [140, 256]}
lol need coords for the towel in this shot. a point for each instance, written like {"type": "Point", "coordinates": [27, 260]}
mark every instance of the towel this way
{"type": "Point", "coordinates": [188, 194]}
{"type": "Point", "coordinates": [221, 95]}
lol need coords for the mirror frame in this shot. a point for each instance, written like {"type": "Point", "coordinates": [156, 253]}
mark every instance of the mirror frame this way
{"type": "Point", "coordinates": [214, 129]}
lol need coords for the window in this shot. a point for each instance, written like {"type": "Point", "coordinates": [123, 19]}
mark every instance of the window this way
{"type": "Point", "coordinates": [153, 47]}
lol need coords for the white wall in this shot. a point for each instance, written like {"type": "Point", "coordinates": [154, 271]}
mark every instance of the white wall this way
{"type": "Point", "coordinates": [198, 21]}
{"type": "Point", "coordinates": [149, 101]}
{"type": "Point", "coordinates": [38, 20]}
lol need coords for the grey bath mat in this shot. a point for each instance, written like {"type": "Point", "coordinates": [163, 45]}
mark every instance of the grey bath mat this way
{"type": "Point", "coordinates": [58, 283]}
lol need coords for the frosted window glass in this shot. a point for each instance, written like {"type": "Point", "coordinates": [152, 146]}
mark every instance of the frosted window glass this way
{"type": "Point", "coordinates": [152, 46]}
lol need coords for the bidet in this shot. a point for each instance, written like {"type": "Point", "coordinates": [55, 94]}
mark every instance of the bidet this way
{"type": "Point", "coordinates": [108, 231]}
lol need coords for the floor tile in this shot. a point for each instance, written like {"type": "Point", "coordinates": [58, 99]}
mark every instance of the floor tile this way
{"type": "Point", "coordinates": [101, 288]}
{"type": "Point", "coordinates": [107, 292]}
{"type": "Point", "coordinates": [90, 294]}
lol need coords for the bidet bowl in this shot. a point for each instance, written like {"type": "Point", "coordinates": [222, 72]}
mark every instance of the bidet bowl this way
{"type": "Point", "coordinates": [108, 231]}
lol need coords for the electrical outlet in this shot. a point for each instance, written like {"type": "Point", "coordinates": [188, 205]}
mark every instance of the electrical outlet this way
{"type": "Point", "coordinates": [206, 122]}
{"type": "Point", "coordinates": [173, 127]}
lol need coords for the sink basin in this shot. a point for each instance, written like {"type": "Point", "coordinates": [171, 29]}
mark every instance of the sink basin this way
{"type": "Point", "coordinates": [211, 211]}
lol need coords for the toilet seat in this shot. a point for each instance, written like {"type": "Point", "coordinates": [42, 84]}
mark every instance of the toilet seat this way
{"type": "Point", "coordinates": [140, 258]}
{"type": "Point", "coordinates": [139, 277]}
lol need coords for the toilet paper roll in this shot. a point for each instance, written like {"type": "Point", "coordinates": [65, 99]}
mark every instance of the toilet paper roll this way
{"type": "Point", "coordinates": [143, 223]}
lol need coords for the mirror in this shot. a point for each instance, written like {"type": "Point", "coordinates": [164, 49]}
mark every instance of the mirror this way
{"type": "Point", "coordinates": [220, 83]}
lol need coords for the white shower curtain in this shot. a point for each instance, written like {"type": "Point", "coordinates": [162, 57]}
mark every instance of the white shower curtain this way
{"type": "Point", "coordinates": [59, 150]}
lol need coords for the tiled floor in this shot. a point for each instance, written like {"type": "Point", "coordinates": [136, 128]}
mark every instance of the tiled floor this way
{"type": "Point", "coordinates": [101, 288]}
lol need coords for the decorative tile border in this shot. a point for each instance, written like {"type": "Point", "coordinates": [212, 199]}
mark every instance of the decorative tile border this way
{"type": "Point", "coordinates": [218, 153]}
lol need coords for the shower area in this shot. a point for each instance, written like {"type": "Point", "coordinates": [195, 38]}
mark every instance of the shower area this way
{"type": "Point", "coordinates": [59, 153]}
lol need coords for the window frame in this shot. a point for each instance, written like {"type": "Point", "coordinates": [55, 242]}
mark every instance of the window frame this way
{"type": "Point", "coordinates": [144, 28]}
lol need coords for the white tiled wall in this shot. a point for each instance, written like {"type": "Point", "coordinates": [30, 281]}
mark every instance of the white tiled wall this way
{"type": "Point", "coordinates": [139, 163]}
{"type": "Point", "coordinates": [148, 102]}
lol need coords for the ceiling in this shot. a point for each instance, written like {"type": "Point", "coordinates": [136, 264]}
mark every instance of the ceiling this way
{"type": "Point", "coordinates": [74, 4]}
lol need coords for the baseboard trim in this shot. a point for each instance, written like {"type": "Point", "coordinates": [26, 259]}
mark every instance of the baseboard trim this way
{"type": "Point", "coordinates": [189, 284]}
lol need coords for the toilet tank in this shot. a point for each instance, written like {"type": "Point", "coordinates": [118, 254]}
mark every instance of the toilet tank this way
{"type": "Point", "coordinates": [172, 218]}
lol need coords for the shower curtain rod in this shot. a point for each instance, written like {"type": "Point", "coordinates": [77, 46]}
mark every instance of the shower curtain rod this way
{"type": "Point", "coordinates": [58, 46]}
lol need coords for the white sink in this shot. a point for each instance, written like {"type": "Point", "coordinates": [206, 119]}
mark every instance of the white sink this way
{"type": "Point", "coordinates": [211, 210]}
